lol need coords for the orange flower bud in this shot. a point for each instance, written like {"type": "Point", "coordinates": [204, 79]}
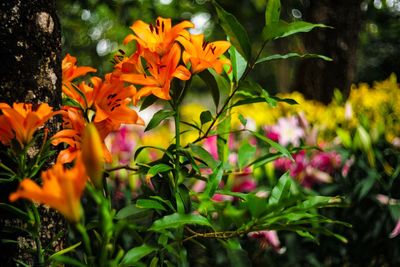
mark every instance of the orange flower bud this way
{"type": "Point", "coordinates": [92, 154]}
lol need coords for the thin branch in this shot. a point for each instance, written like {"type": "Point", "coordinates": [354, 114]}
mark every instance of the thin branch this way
{"type": "Point", "coordinates": [125, 167]}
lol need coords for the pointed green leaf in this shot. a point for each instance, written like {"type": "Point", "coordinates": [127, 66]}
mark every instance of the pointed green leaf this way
{"type": "Point", "coordinates": [205, 117]}
{"type": "Point", "coordinates": [148, 101]}
{"type": "Point", "coordinates": [204, 155]}
{"type": "Point", "coordinates": [238, 62]}
{"type": "Point", "coordinates": [236, 32]}
{"type": "Point", "coordinates": [280, 191]}
{"type": "Point", "coordinates": [273, 144]}
{"type": "Point", "coordinates": [272, 12]}
{"type": "Point", "coordinates": [136, 254]}
{"type": "Point", "coordinates": [159, 168]}
{"type": "Point", "coordinates": [68, 261]}
{"type": "Point", "coordinates": [291, 55]}
{"type": "Point", "coordinates": [245, 153]}
{"type": "Point", "coordinates": [158, 117]}
{"type": "Point", "coordinates": [149, 204]}
{"type": "Point", "coordinates": [212, 85]}
{"type": "Point", "coordinates": [177, 220]}
{"type": "Point", "coordinates": [65, 250]}
{"type": "Point", "coordinates": [283, 29]}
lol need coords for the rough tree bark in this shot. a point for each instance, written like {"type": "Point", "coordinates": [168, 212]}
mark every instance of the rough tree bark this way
{"type": "Point", "coordinates": [315, 78]}
{"type": "Point", "coordinates": [30, 71]}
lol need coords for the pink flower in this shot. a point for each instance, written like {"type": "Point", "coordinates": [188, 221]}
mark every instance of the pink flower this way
{"type": "Point", "coordinates": [289, 131]}
{"type": "Point", "coordinates": [396, 230]}
{"type": "Point", "coordinates": [210, 144]}
{"type": "Point", "coordinates": [268, 239]}
{"type": "Point", "coordinates": [244, 184]}
{"type": "Point", "coordinates": [123, 145]}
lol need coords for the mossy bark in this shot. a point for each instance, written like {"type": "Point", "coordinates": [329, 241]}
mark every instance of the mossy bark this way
{"type": "Point", "coordinates": [30, 71]}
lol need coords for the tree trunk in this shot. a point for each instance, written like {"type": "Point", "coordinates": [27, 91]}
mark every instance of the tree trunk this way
{"type": "Point", "coordinates": [315, 78]}
{"type": "Point", "coordinates": [30, 71]}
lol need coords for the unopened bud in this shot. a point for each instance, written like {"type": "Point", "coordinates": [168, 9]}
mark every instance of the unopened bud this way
{"type": "Point", "coordinates": [92, 154]}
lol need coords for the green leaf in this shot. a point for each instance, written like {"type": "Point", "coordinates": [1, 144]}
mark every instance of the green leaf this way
{"type": "Point", "coordinates": [273, 144]}
{"type": "Point", "coordinates": [211, 81]}
{"type": "Point", "coordinates": [261, 161]}
{"type": "Point", "coordinates": [68, 261]}
{"type": "Point", "coordinates": [239, 63]}
{"type": "Point", "coordinates": [148, 101]}
{"type": "Point", "coordinates": [272, 12]}
{"type": "Point", "coordinates": [131, 211]}
{"type": "Point", "coordinates": [214, 180]}
{"type": "Point", "coordinates": [280, 191]}
{"type": "Point", "coordinates": [67, 101]}
{"type": "Point", "coordinates": [205, 117]}
{"type": "Point", "coordinates": [140, 149]}
{"type": "Point", "coordinates": [158, 117]}
{"type": "Point", "coordinates": [16, 211]}
{"type": "Point", "coordinates": [245, 153]}
{"type": "Point", "coordinates": [256, 205]}
{"type": "Point", "coordinates": [283, 29]}
{"type": "Point", "coordinates": [149, 204]}
{"type": "Point", "coordinates": [135, 254]}
{"type": "Point", "coordinates": [291, 55]}
{"type": "Point", "coordinates": [395, 211]}
{"type": "Point", "coordinates": [177, 220]}
{"type": "Point", "coordinates": [242, 120]}
{"type": "Point", "coordinates": [159, 168]}
{"type": "Point", "coordinates": [204, 155]}
{"type": "Point", "coordinates": [65, 250]}
{"type": "Point", "coordinates": [76, 88]}
{"type": "Point", "coordinates": [236, 32]}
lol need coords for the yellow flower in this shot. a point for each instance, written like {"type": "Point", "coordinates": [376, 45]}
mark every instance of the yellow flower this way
{"type": "Point", "coordinates": [61, 189]}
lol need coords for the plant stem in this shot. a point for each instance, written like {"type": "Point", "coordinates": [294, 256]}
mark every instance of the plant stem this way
{"type": "Point", "coordinates": [85, 237]}
{"type": "Point", "coordinates": [249, 68]}
{"type": "Point", "coordinates": [38, 243]}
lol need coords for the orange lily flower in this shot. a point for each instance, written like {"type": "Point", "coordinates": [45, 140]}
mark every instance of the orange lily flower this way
{"type": "Point", "coordinates": [74, 125]}
{"type": "Point", "coordinates": [24, 121]}
{"type": "Point", "coordinates": [161, 71]}
{"type": "Point", "coordinates": [203, 55]}
{"type": "Point", "coordinates": [160, 37]}
{"type": "Point", "coordinates": [70, 71]}
{"type": "Point", "coordinates": [111, 99]}
{"type": "Point", "coordinates": [6, 133]}
{"type": "Point", "coordinates": [61, 189]}
{"type": "Point", "coordinates": [84, 89]}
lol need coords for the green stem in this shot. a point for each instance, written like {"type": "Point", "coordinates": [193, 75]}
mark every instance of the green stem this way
{"type": "Point", "coordinates": [249, 68]}
{"type": "Point", "coordinates": [7, 169]}
{"type": "Point", "coordinates": [38, 243]}
{"type": "Point", "coordinates": [85, 237]}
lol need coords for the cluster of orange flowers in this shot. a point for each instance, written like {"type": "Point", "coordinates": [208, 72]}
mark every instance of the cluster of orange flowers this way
{"type": "Point", "coordinates": [103, 105]}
